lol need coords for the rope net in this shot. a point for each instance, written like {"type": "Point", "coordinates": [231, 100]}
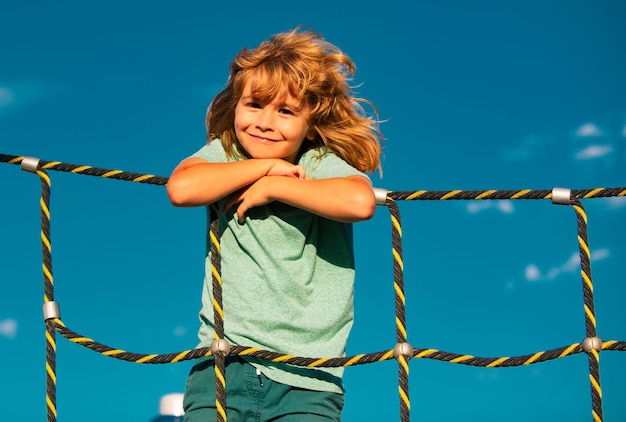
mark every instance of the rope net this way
{"type": "Point", "coordinates": [402, 351]}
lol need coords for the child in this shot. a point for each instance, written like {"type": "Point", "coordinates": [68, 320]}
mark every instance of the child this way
{"type": "Point", "coordinates": [285, 161]}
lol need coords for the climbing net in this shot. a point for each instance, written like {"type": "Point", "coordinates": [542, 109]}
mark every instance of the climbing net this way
{"type": "Point", "coordinates": [402, 351]}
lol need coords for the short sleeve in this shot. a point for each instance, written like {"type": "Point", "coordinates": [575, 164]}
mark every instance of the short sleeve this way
{"type": "Point", "coordinates": [327, 166]}
{"type": "Point", "coordinates": [212, 152]}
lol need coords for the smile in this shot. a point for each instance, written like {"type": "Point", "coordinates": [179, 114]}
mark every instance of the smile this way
{"type": "Point", "coordinates": [262, 139]}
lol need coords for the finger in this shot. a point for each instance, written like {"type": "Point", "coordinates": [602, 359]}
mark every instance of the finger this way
{"type": "Point", "coordinates": [241, 213]}
{"type": "Point", "coordinates": [233, 204]}
{"type": "Point", "coordinates": [231, 200]}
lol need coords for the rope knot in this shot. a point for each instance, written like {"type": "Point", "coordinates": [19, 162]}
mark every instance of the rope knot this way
{"type": "Point", "coordinates": [403, 349]}
{"type": "Point", "coordinates": [592, 343]}
{"type": "Point", "coordinates": [221, 346]}
{"type": "Point", "coordinates": [30, 164]}
{"type": "Point", "coordinates": [51, 310]}
{"type": "Point", "coordinates": [561, 196]}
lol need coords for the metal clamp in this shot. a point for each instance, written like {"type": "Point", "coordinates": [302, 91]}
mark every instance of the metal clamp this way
{"type": "Point", "coordinates": [220, 346]}
{"type": "Point", "coordinates": [30, 164]}
{"type": "Point", "coordinates": [561, 196]}
{"type": "Point", "coordinates": [51, 310]}
{"type": "Point", "coordinates": [592, 343]}
{"type": "Point", "coordinates": [381, 196]}
{"type": "Point", "coordinates": [403, 349]}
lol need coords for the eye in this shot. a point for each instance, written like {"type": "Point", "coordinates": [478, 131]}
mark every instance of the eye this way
{"type": "Point", "coordinates": [285, 111]}
{"type": "Point", "coordinates": [253, 104]}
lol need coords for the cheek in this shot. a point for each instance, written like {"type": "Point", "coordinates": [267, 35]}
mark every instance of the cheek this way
{"type": "Point", "coordinates": [305, 132]}
{"type": "Point", "coordinates": [238, 122]}
{"type": "Point", "coordinates": [238, 115]}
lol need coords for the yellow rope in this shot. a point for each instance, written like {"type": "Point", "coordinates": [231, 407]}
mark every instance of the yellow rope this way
{"type": "Point", "coordinates": [537, 357]}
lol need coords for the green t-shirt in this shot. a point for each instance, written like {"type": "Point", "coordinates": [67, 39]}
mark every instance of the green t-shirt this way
{"type": "Point", "coordinates": [287, 280]}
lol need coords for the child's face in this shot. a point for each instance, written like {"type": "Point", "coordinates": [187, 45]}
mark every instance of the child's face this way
{"type": "Point", "coordinates": [274, 129]}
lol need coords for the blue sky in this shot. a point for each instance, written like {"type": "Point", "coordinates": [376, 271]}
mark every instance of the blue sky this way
{"type": "Point", "coordinates": [475, 95]}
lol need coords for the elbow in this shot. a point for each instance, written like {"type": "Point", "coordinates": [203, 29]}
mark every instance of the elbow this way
{"type": "Point", "coordinates": [176, 193]}
{"type": "Point", "coordinates": [363, 206]}
{"type": "Point", "coordinates": [368, 211]}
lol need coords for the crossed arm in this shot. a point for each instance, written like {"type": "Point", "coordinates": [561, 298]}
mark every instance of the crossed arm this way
{"type": "Point", "coordinates": [254, 182]}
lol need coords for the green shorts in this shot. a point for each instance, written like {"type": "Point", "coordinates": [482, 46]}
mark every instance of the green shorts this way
{"type": "Point", "coordinates": [252, 397]}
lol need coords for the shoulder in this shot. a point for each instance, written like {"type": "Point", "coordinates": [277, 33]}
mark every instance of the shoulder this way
{"type": "Point", "coordinates": [322, 163]}
{"type": "Point", "coordinates": [212, 151]}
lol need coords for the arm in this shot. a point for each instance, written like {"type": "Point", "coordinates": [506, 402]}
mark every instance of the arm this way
{"type": "Point", "coordinates": [347, 199]}
{"type": "Point", "coordinates": [197, 182]}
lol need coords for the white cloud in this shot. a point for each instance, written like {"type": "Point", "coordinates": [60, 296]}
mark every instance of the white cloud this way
{"type": "Point", "coordinates": [509, 285]}
{"type": "Point", "coordinates": [477, 206]}
{"type": "Point", "coordinates": [180, 331]}
{"type": "Point", "coordinates": [588, 129]}
{"type": "Point", "coordinates": [615, 202]}
{"type": "Point", "coordinates": [571, 265]}
{"type": "Point", "coordinates": [490, 374]}
{"type": "Point", "coordinates": [600, 254]}
{"type": "Point", "coordinates": [532, 272]}
{"type": "Point", "coordinates": [8, 328]}
{"type": "Point", "coordinates": [6, 96]}
{"type": "Point", "coordinates": [20, 94]}
{"type": "Point", "coordinates": [505, 206]}
{"type": "Point", "coordinates": [530, 147]}
{"type": "Point", "coordinates": [593, 151]}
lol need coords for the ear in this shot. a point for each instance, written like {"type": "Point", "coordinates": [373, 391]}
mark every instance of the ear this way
{"type": "Point", "coordinates": [311, 134]}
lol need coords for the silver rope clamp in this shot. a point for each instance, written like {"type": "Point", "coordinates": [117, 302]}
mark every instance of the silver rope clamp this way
{"type": "Point", "coordinates": [592, 343]}
{"type": "Point", "coordinates": [561, 196]}
{"type": "Point", "coordinates": [381, 196]}
{"type": "Point", "coordinates": [403, 349]}
{"type": "Point", "coordinates": [51, 310]}
{"type": "Point", "coordinates": [220, 346]}
{"type": "Point", "coordinates": [30, 164]}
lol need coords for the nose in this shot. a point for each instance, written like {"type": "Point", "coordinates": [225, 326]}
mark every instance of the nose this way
{"type": "Point", "coordinates": [265, 119]}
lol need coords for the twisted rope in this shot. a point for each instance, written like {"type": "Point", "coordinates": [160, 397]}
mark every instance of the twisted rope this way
{"type": "Point", "coordinates": [590, 317]}
{"type": "Point", "coordinates": [402, 351]}
{"type": "Point", "coordinates": [218, 316]}
{"type": "Point", "coordinates": [48, 297]}
{"type": "Point", "coordinates": [422, 195]}
{"type": "Point", "coordinates": [401, 354]}
{"type": "Point", "coordinates": [347, 361]}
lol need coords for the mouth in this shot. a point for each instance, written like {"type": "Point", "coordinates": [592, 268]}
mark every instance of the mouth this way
{"type": "Point", "coordinates": [262, 139]}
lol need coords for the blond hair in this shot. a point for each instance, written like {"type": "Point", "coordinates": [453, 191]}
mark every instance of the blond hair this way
{"type": "Point", "coordinates": [316, 73]}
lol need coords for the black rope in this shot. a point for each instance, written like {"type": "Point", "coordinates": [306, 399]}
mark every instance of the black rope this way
{"type": "Point", "coordinates": [590, 318]}
{"type": "Point", "coordinates": [54, 324]}
{"type": "Point", "coordinates": [398, 278]}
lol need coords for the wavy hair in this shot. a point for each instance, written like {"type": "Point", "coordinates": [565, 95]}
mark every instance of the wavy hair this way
{"type": "Point", "coordinates": [317, 74]}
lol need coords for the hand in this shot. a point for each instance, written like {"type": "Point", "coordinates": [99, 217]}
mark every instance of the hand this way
{"type": "Point", "coordinates": [285, 168]}
{"type": "Point", "coordinates": [255, 195]}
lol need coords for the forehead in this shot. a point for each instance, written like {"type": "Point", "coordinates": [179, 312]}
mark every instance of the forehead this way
{"type": "Point", "coordinates": [264, 86]}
